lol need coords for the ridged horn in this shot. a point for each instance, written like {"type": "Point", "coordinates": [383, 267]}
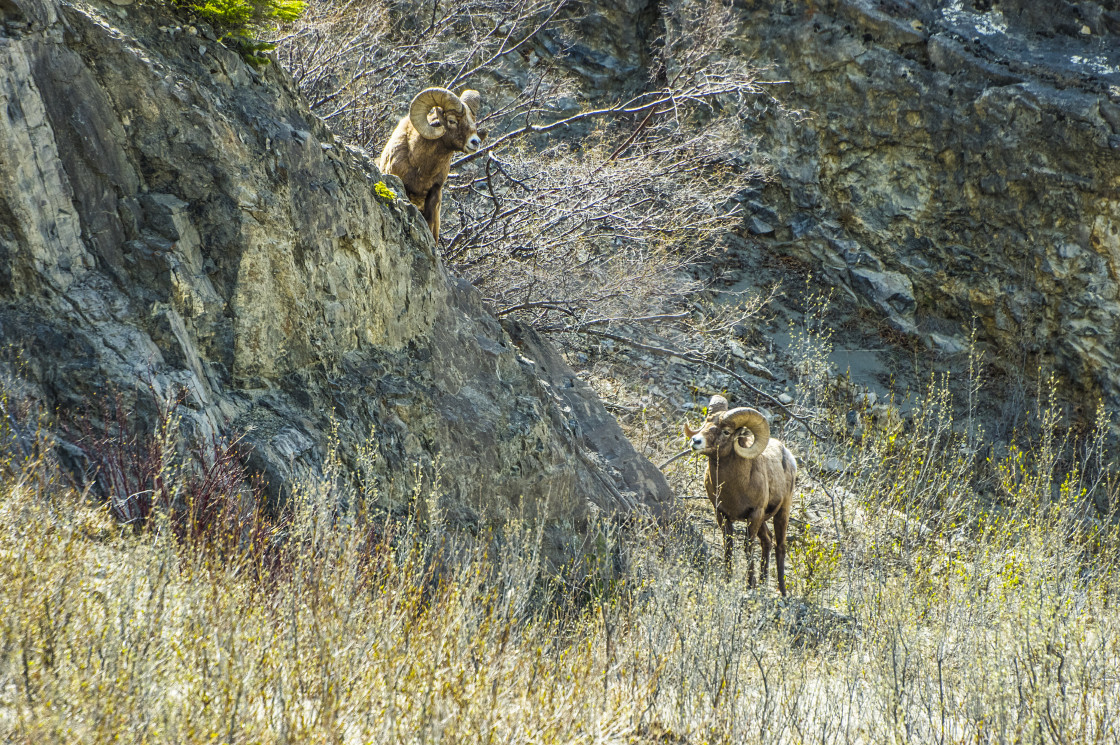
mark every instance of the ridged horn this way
{"type": "Point", "coordinates": [424, 102]}
{"type": "Point", "coordinates": [472, 100]}
{"type": "Point", "coordinates": [753, 420]}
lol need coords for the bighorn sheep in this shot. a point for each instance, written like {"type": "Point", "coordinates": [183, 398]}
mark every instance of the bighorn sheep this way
{"type": "Point", "coordinates": [746, 482]}
{"type": "Point", "coordinates": [419, 151]}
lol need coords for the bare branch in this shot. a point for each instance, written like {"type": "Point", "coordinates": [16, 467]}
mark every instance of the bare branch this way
{"type": "Point", "coordinates": [707, 361]}
{"type": "Point", "coordinates": [572, 218]}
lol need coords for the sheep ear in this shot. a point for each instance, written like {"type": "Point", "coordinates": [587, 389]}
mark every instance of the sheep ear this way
{"type": "Point", "coordinates": [689, 431]}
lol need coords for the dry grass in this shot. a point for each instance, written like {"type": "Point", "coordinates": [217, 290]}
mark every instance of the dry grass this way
{"type": "Point", "coordinates": [939, 615]}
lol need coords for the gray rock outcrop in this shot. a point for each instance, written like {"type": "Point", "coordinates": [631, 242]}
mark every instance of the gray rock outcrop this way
{"type": "Point", "coordinates": [173, 218]}
{"type": "Point", "coordinates": [956, 160]}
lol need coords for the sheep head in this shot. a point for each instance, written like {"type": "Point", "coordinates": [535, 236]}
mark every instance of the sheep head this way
{"type": "Point", "coordinates": [438, 114]}
{"type": "Point", "coordinates": [725, 431]}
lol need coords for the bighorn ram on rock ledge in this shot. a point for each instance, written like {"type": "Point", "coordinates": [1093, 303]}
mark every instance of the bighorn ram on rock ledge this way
{"type": "Point", "coordinates": [751, 482]}
{"type": "Point", "coordinates": [438, 124]}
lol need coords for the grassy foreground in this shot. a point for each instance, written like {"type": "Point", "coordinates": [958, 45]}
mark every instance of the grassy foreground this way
{"type": "Point", "coordinates": [932, 619]}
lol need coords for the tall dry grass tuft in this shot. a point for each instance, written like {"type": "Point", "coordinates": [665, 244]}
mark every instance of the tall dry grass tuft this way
{"type": "Point", "coordinates": [924, 612]}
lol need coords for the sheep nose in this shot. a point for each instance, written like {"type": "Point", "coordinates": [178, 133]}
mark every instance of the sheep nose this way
{"type": "Point", "coordinates": [697, 443]}
{"type": "Point", "coordinates": [474, 143]}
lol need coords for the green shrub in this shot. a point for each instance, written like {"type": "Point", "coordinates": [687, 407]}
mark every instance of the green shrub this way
{"type": "Point", "coordinates": [820, 564]}
{"type": "Point", "coordinates": [240, 22]}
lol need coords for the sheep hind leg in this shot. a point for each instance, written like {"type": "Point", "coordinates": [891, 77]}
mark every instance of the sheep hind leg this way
{"type": "Point", "coordinates": [728, 531]}
{"type": "Point", "coordinates": [764, 563]}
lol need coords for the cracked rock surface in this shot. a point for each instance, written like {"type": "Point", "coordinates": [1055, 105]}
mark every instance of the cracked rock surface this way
{"type": "Point", "coordinates": [173, 220]}
{"type": "Point", "coordinates": [956, 161]}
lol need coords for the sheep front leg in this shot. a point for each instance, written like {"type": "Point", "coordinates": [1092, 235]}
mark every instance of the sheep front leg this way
{"type": "Point", "coordinates": [764, 564]}
{"type": "Point", "coordinates": [431, 209]}
{"type": "Point", "coordinates": [781, 522]}
{"type": "Point", "coordinates": [728, 530]}
{"type": "Point", "coordinates": [756, 525]}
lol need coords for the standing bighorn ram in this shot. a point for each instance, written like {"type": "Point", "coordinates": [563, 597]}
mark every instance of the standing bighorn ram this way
{"type": "Point", "coordinates": [438, 124]}
{"type": "Point", "coordinates": [751, 482]}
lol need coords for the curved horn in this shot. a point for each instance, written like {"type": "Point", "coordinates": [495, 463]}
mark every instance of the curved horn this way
{"type": "Point", "coordinates": [472, 100]}
{"type": "Point", "coordinates": [753, 420]}
{"type": "Point", "coordinates": [424, 102]}
{"type": "Point", "coordinates": [716, 405]}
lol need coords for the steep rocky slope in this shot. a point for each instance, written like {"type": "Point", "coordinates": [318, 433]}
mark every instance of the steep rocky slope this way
{"type": "Point", "coordinates": [941, 166]}
{"type": "Point", "coordinates": [954, 161]}
{"type": "Point", "coordinates": [172, 219]}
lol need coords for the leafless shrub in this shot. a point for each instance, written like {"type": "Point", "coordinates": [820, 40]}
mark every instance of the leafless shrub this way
{"type": "Point", "coordinates": [125, 466]}
{"type": "Point", "coordinates": [201, 489]}
{"type": "Point", "coordinates": [993, 627]}
{"type": "Point", "coordinates": [359, 63]}
{"type": "Point", "coordinates": [586, 210]}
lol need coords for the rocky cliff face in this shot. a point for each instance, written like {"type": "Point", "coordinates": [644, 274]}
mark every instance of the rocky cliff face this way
{"type": "Point", "coordinates": [955, 160]}
{"type": "Point", "coordinates": [172, 216]}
